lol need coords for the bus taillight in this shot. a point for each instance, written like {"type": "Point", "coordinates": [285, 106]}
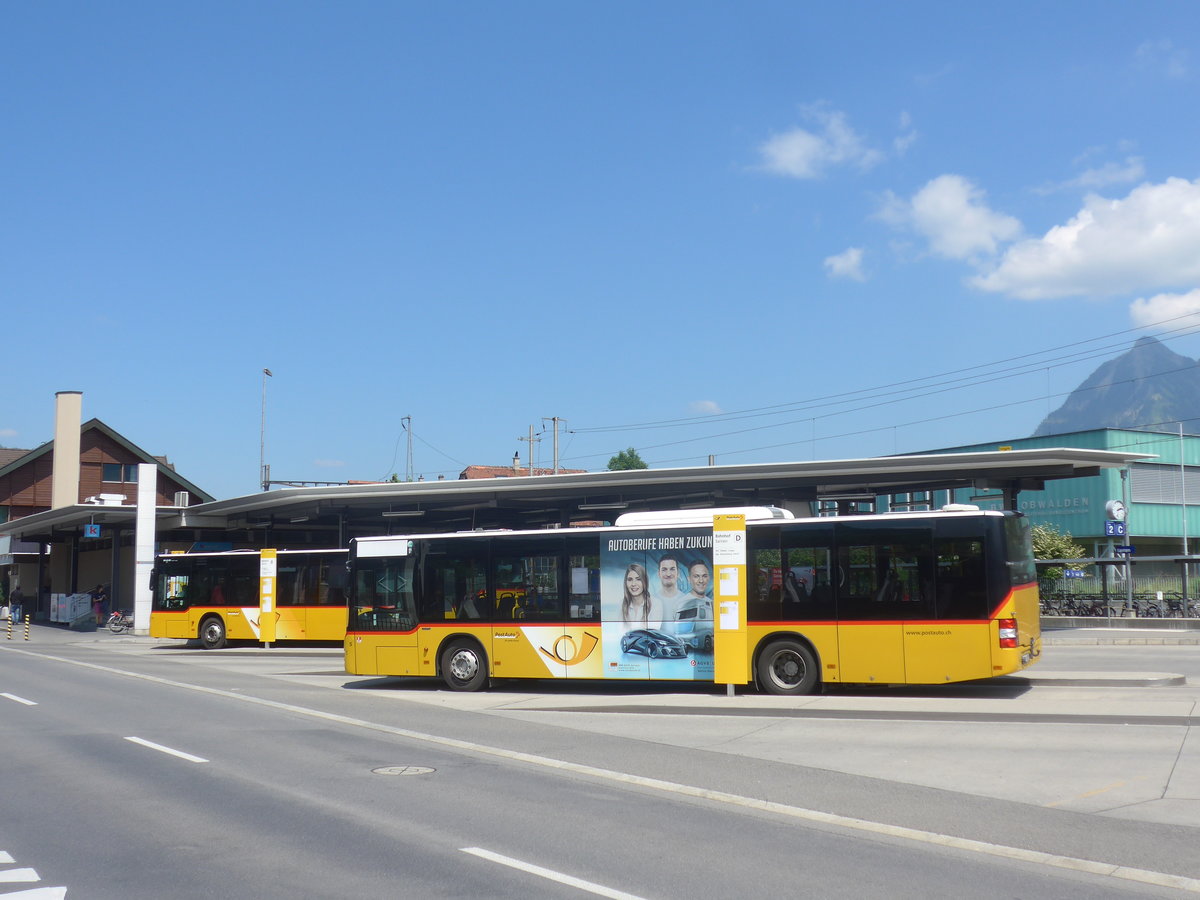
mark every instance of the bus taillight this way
{"type": "Point", "coordinates": [1008, 633]}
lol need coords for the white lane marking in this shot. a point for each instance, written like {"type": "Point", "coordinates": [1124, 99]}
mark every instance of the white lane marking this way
{"type": "Point", "coordinates": [162, 749]}
{"type": "Point", "coordinates": [1021, 854]}
{"type": "Point", "coordinates": [17, 699]}
{"type": "Point", "coordinates": [13, 875]}
{"type": "Point", "coordinates": [550, 874]}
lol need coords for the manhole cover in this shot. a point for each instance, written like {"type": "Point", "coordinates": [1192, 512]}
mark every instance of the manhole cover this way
{"type": "Point", "coordinates": [404, 770]}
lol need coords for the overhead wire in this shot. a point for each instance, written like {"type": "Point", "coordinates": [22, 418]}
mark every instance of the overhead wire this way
{"type": "Point", "coordinates": [901, 387]}
{"type": "Point", "coordinates": [983, 376]}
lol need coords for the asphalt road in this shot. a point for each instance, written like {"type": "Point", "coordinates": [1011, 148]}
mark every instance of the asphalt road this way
{"type": "Point", "coordinates": [150, 770]}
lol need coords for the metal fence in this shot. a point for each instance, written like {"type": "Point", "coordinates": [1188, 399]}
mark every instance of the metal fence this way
{"type": "Point", "coordinates": [1156, 592]}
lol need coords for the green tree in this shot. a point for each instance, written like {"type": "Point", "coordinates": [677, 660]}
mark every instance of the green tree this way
{"type": "Point", "coordinates": [626, 459]}
{"type": "Point", "coordinates": [1050, 543]}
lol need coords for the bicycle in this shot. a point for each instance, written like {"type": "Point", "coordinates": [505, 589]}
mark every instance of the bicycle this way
{"type": "Point", "coordinates": [1093, 606]}
{"type": "Point", "coordinates": [119, 622]}
{"type": "Point", "coordinates": [1147, 608]}
{"type": "Point", "coordinates": [1051, 606]}
{"type": "Point", "coordinates": [1072, 607]}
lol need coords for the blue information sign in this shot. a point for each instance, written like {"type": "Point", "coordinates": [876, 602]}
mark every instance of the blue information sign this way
{"type": "Point", "coordinates": [1114, 529]}
{"type": "Point", "coordinates": [1124, 548]}
{"type": "Point", "coordinates": [91, 531]}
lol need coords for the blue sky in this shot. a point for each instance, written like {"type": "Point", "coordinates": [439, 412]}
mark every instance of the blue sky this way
{"type": "Point", "coordinates": [762, 231]}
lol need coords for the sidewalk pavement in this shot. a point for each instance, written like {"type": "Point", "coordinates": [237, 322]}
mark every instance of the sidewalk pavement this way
{"type": "Point", "coordinates": [1118, 635]}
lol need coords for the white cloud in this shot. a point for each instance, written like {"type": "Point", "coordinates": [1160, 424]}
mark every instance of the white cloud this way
{"type": "Point", "coordinates": [950, 214]}
{"type": "Point", "coordinates": [7, 433]}
{"type": "Point", "coordinates": [1112, 173]}
{"type": "Point", "coordinates": [799, 153]}
{"type": "Point", "coordinates": [907, 135]}
{"type": "Point", "coordinates": [1162, 57]}
{"type": "Point", "coordinates": [1166, 309]}
{"type": "Point", "coordinates": [927, 79]}
{"type": "Point", "coordinates": [1149, 240]}
{"type": "Point", "coordinates": [847, 264]}
{"type": "Point", "coordinates": [1105, 175]}
{"type": "Point", "coordinates": [706, 407]}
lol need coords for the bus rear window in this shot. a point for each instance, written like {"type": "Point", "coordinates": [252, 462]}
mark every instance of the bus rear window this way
{"type": "Point", "coordinates": [1018, 537]}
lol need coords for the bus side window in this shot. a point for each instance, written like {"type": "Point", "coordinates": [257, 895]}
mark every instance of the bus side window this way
{"type": "Point", "coordinates": [764, 588]}
{"type": "Point", "coordinates": [961, 579]}
{"type": "Point", "coordinates": [525, 579]}
{"type": "Point", "coordinates": [803, 576]}
{"type": "Point", "coordinates": [527, 587]}
{"type": "Point", "coordinates": [805, 583]}
{"type": "Point", "coordinates": [583, 579]}
{"type": "Point", "coordinates": [287, 585]}
{"type": "Point", "coordinates": [335, 578]}
{"type": "Point", "coordinates": [454, 582]}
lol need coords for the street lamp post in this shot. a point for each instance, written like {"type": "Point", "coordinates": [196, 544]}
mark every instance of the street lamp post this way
{"type": "Point", "coordinates": [263, 476]}
{"type": "Point", "coordinates": [1184, 586]}
{"type": "Point", "coordinates": [1183, 490]}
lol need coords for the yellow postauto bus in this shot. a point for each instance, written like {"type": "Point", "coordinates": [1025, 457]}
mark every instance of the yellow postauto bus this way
{"type": "Point", "coordinates": [903, 598]}
{"type": "Point", "coordinates": [214, 597]}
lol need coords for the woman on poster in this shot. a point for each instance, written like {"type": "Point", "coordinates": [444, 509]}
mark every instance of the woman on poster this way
{"type": "Point", "coordinates": [635, 607]}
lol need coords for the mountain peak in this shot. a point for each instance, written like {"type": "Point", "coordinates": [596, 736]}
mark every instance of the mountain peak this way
{"type": "Point", "coordinates": [1148, 385]}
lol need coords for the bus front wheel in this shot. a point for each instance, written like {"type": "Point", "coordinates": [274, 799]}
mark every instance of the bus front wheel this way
{"type": "Point", "coordinates": [212, 633]}
{"type": "Point", "coordinates": [787, 667]}
{"type": "Point", "coordinates": [464, 667]}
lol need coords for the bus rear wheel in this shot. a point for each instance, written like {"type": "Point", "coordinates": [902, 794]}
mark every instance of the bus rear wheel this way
{"type": "Point", "coordinates": [464, 666]}
{"type": "Point", "coordinates": [787, 667]}
{"type": "Point", "coordinates": [212, 633]}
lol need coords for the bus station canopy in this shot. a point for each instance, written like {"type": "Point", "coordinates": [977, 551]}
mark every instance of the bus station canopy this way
{"type": "Point", "coordinates": [328, 516]}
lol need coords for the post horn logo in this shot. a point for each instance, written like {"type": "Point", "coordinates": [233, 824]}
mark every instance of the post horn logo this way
{"type": "Point", "coordinates": [565, 652]}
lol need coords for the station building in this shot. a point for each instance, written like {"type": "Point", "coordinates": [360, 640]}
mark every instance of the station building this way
{"type": "Point", "coordinates": [1160, 492]}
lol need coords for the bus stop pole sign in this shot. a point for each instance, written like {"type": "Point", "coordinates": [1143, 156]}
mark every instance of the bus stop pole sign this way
{"type": "Point", "coordinates": [268, 565]}
{"type": "Point", "coordinates": [731, 659]}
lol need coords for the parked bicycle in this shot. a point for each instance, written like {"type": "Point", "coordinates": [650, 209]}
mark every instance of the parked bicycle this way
{"type": "Point", "coordinates": [1052, 606]}
{"type": "Point", "coordinates": [1177, 607]}
{"type": "Point", "coordinates": [119, 622]}
{"type": "Point", "coordinates": [1147, 609]}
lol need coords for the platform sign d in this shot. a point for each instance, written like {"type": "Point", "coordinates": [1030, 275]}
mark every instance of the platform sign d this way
{"type": "Point", "coordinates": [267, 569]}
{"type": "Point", "coordinates": [731, 662]}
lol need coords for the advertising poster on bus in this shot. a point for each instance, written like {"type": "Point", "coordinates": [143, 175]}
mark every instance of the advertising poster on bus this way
{"type": "Point", "coordinates": [657, 605]}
